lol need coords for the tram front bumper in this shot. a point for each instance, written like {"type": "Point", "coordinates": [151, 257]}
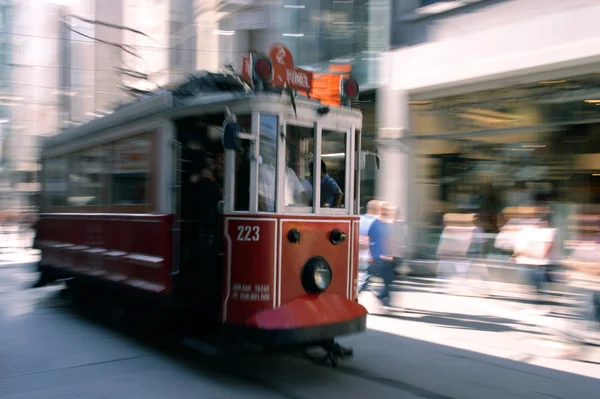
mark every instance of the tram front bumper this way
{"type": "Point", "coordinates": [309, 318]}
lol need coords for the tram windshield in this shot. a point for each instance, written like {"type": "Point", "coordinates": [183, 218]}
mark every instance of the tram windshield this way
{"type": "Point", "coordinates": [300, 167]}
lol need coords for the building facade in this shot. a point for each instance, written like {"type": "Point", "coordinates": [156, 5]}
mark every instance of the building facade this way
{"type": "Point", "coordinates": [490, 104]}
{"type": "Point", "coordinates": [59, 71]}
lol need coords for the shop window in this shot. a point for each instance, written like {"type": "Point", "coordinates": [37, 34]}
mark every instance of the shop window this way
{"type": "Point", "coordinates": [333, 169]}
{"type": "Point", "coordinates": [131, 171]}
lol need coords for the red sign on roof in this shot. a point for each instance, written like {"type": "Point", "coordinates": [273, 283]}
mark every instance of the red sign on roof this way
{"type": "Point", "coordinates": [284, 71]}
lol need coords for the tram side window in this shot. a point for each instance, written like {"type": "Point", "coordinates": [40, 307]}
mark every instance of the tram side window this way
{"type": "Point", "coordinates": [299, 160]}
{"type": "Point", "coordinates": [75, 181]}
{"type": "Point", "coordinates": [333, 168]}
{"type": "Point", "coordinates": [267, 172]}
{"type": "Point", "coordinates": [131, 171]}
{"type": "Point", "coordinates": [55, 181]}
{"type": "Point", "coordinates": [88, 173]}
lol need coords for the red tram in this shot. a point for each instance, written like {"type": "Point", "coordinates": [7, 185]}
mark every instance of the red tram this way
{"type": "Point", "coordinates": [204, 199]}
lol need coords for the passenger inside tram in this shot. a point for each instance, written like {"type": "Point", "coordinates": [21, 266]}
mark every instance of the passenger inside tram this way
{"type": "Point", "coordinates": [331, 193]}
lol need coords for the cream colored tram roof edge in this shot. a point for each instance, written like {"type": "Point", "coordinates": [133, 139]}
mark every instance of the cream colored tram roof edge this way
{"type": "Point", "coordinates": [169, 105]}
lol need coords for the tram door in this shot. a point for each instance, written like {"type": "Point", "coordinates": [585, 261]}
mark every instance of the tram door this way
{"type": "Point", "coordinates": [197, 197]}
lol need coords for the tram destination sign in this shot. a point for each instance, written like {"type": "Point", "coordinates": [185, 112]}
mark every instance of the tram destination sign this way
{"type": "Point", "coordinates": [284, 72]}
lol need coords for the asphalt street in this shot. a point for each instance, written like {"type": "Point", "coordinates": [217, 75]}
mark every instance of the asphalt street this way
{"type": "Point", "coordinates": [433, 346]}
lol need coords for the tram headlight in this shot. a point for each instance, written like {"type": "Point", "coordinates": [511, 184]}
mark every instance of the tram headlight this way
{"type": "Point", "coordinates": [316, 275]}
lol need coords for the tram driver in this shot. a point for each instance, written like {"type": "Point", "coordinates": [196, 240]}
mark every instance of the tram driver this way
{"type": "Point", "coordinates": [295, 194]}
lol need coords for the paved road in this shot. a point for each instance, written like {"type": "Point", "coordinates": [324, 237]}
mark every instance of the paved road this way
{"type": "Point", "coordinates": [437, 346]}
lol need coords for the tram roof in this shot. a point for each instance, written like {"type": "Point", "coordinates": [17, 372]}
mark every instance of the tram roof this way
{"type": "Point", "coordinates": [213, 87]}
{"type": "Point", "coordinates": [201, 88]}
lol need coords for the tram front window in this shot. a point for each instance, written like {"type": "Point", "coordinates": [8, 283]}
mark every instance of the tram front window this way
{"type": "Point", "coordinates": [267, 172]}
{"type": "Point", "coordinates": [333, 168]}
{"type": "Point", "coordinates": [299, 173]}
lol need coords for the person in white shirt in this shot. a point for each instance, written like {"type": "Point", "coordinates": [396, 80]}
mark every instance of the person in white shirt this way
{"type": "Point", "coordinates": [534, 251]}
{"type": "Point", "coordinates": [295, 194]}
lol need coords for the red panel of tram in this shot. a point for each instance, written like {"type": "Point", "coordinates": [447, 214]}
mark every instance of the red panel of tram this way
{"type": "Point", "coordinates": [134, 250]}
{"type": "Point", "coordinates": [314, 242]}
{"type": "Point", "coordinates": [250, 261]}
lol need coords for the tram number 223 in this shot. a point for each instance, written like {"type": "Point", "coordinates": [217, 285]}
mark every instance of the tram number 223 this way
{"type": "Point", "coordinates": [248, 233]}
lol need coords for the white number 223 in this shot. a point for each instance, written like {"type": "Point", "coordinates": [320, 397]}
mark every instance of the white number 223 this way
{"type": "Point", "coordinates": [248, 233]}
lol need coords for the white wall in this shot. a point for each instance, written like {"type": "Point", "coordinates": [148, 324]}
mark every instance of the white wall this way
{"type": "Point", "coordinates": [539, 44]}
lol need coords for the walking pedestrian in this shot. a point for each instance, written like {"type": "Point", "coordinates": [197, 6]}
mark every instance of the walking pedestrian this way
{"type": "Point", "coordinates": [374, 234]}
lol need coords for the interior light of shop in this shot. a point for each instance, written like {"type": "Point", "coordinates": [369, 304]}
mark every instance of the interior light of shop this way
{"type": "Point", "coordinates": [595, 174]}
{"type": "Point", "coordinates": [552, 82]}
{"type": "Point", "coordinates": [93, 114]}
{"type": "Point", "coordinates": [534, 145]}
{"type": "Point", "coordinates": [293, 34]}
{"type": "Point", "coordinates": [223, 32]}
{"type": "Point", "coordinates": [333, 155]}
{"type": "Point", "coordinates": [483, 119]}
{"type": "Point", "coordinates": [292, 6]}
{"type": "Point", "coordinates": [592, 101]}
{"type": "Point", "coordinates": [493, 114]}
{"type": "Point", "coordinates": [424, 102]}
{"type": "Point", "coordinates": [4, 120]}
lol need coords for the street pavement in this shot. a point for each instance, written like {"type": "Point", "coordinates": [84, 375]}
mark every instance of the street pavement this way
{"type": "Point", "coordinates": [434, 345]}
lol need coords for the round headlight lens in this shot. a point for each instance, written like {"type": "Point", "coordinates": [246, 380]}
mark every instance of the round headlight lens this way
{"type": "Point", "coordinates": [316, 275]}
{"type": "Point", "coordinates": [322, 276]}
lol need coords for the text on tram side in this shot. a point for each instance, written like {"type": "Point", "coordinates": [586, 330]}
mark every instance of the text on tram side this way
{"type": "Point", "coordinates": [248, 233]}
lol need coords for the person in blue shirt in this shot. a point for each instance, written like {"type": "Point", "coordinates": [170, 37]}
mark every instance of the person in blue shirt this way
{"type": "Point", "coordinates": [331, 193]}
{"type": "Point", "coordinates": [373, 234]}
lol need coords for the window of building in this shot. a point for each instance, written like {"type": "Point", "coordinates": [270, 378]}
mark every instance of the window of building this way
{"type": "Point", "coordinates": [430, 2]}
{"type": "Point", "coordinates": [131, 171]}
{"type": "Point", "coordinates": [177, 39]}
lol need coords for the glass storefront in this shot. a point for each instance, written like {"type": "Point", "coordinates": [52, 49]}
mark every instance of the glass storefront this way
{"type": "Point", "coordinates": [520, 146]}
